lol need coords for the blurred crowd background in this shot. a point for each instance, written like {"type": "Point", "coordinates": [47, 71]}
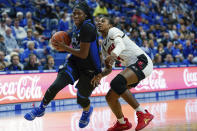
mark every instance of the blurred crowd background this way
{"type": "Point", "coordinates": [165, 29]}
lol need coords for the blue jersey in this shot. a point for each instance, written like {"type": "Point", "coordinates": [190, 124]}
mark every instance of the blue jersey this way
{"type": "Point", "coordinates": [86, 33]}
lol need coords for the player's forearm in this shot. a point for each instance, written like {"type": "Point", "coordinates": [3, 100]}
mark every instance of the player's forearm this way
{"type": "Point", "coordinates": [106, 72]}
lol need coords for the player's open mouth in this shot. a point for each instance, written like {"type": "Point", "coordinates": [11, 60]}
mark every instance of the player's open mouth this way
{"type": "Point", "coordinates": [99, 27]}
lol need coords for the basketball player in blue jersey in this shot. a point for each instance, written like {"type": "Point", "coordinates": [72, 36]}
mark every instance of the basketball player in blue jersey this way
{"type": "Point", "coordinates": [83, 64]}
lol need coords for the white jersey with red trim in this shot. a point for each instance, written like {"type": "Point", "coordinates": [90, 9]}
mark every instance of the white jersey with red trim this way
{"type": "Point", "coordinates": [129, 54]}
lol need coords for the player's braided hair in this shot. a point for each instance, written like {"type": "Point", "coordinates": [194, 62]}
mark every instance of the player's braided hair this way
{"type": "Point", "coordinates": [86, 9]}
{"type": "Point", "coordinates": [109, 18]}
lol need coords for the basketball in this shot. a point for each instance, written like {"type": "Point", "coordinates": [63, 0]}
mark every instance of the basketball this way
{"type": "Point", "coordinates": [61, 36]}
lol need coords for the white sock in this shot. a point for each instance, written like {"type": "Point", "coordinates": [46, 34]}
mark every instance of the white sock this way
{"type": "Point", "coordinates": [140, 109]}
{"type": "Point", "coordinates": [121, 120]}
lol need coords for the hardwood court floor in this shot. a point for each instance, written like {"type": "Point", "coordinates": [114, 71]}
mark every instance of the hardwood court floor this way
{"type": "Point", "coordinates": [173, 115]}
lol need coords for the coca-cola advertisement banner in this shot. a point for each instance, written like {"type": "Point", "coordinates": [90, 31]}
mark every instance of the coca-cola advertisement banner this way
{"type": "Point", "coordinates": [16, 88]}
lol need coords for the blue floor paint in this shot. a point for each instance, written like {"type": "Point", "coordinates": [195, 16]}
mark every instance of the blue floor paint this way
{"type": "Point", "coordinates": [71, 104]}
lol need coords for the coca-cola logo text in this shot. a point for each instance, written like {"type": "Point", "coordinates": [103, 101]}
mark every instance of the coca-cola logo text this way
{"type": "Point", "coordinates": [154, 81]}
{"type": "Point", "coordinates": [190, 78]}
{"type": "Point", "coordinates": [25, 88]}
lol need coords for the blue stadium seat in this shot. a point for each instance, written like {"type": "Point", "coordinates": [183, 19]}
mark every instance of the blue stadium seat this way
{"type": "Point", "coordinates": [59, 58]}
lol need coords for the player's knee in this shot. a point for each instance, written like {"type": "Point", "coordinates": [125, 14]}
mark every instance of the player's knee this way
{"type": "Point", "coordinates": [83, 101]}
{"type": "Point", "coordinates": [118, 84]}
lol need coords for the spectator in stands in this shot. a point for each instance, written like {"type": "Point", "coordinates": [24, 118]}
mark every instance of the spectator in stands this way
{"type": "Point", "coordinates": [161, 51]}
{"type": "Point", "coordinates": [117, 21]}
{"type": "Point", "coordinates": [3, 63]}
{"type": "Point", "coordinates": [50, 20]}
{"type": "Point", "coordinates": [32, 63]}
{"type": "Point", "coordinates": [50, 63]}
{"type": "Point", "coordinates": [194, 27]}
{"type": "Point", "coordinates": [146, 48]}
{"type": "Point", "coordinates": [92, 3]}
{"type": "Point", "coordinates": [30, 37]}
{"type": "Point", "coordinates": [169, 60]}
{"type": "Point", "coordinates": [175, 40]}
{"type": "Point", "coordinates": [27, 17]}
{"type": "Point", "coordinates": [115, 11]}
{"type": "Point", "coordinates": [143, 7]}
{"type": "Point", "coordinates": [157, 60]}
{"type": "Point", "coordinates": [182, 39]}
{"type": "Point", "coordinates": [152, 37]}
{"type": "Point", "coordinates": [40, 2]}
{"type": "Point", "coordinates": [145, 24]}
{"type": "Point", "coordinates": [39, 28]}
{"type": "Point", "coordinates": [165, 39]}
{"type": "Point", "coordinates": [176, 52]}
{"type": "Point", "coordinates": [10, 42]}
{"type": "Point", "coordinates": [19, 32]}
{"type": "Point", "coordinates": [8, 22]}
{"type": "Point", "coordinates": [187, 48]}
{"type": "Point", "coordinates": [3, 48]}
{"type": "Point", "coordinates": [169, 48]}
{"type": "Point", "coordinates": [19, 16]}
{"type": "Point", "coordinates": [136, 17]}
{"type": "Point", "coordinates": [195, 49]}
{"type": "Point", "coordinates": [30, 50]}
{"type": "Point", "coordinates": [2, 27]}
{"type": "Point", "coordinates": [38, 13]}
{"type": "Point", "coordinates": [192, 37]}
{"type": "Point", "coordinates": [29, 25]}
{"type": "Point", "coordinates": [42, 42]}
{"type": "Point", "coordinates": [189, 59]}
{"type": "Point", "coordinates": [135, 37]}
{"type": "Point", "coordinates": [143, 35]}
{"type": "Point", "coordinates": [173, 31]}
{"type": "Point", "coordinates": [100, 9]}
{"type": "Point", "coordinates": [64, 22]}
{"type": "Point", "coordinates": [15, 64]}
{"type": "Point", "coordinates": [4, 15]}
{"type": "Point", "coordinates": [152, 48]}
{"type": "Point", "coordinates": [43, 54]}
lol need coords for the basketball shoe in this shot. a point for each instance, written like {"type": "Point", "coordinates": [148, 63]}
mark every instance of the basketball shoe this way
{"type": "Point", "coordinates": [121, 127]}
{"type": "Point", "coordinates": [85, 118]}
{"type": "Point", "coordinates": [143, 119]}
{"type": "Point", "coordinates": [36, 112]}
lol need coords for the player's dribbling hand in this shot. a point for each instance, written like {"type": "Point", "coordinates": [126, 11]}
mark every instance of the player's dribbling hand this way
{"type": "Point", "coordinates": [96, 80]}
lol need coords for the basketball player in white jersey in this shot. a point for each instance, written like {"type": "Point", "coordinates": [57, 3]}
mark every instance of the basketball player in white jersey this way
{"type": "Point", "coordinates": [117, 46]}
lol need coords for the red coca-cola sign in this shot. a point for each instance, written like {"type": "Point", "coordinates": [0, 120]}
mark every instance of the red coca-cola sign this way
{"type": "Point", "coordinates": [32, 87]}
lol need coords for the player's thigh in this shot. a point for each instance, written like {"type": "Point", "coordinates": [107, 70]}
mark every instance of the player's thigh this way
{"type": "Point", "coordinates": [130, 76]}
{"type": "Point", "coordinates": [70, 70]}
{"type": "Point", "coordinates": [84, 86]}
{"type": "Point", "coordinates": [137, 71]}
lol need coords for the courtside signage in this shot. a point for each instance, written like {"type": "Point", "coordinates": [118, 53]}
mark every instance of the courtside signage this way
{"type": "Point", "coordinates": [15, 88]}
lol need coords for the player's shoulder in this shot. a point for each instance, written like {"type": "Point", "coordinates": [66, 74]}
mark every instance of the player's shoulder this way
{"type": "Point", "coordinates": [88, 25]}
{"type": "Point", "coordinates": [113, 32]}
{"type": "Point", "coordinates": [114, 29]}
{"type": "Point", "coordinates": [88, 28]}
